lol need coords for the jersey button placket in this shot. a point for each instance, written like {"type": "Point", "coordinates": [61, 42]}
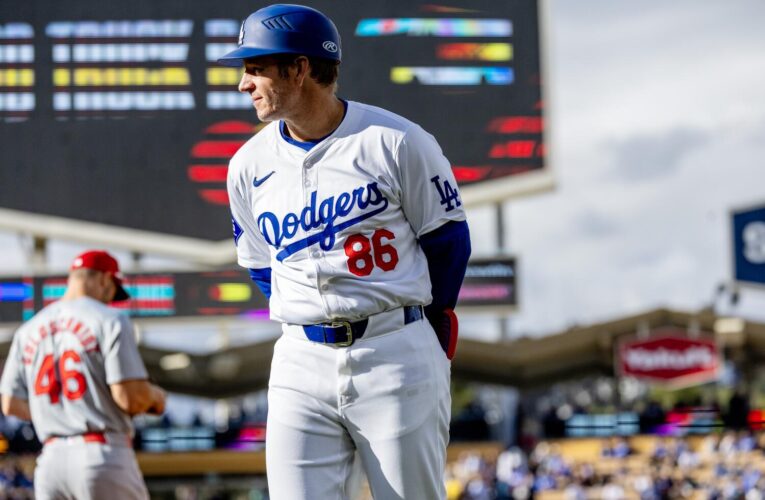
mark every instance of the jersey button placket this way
{"type": "Point", "coordinates": [309, 179]}
{"type": "Point", "coordinates": [310, 183]}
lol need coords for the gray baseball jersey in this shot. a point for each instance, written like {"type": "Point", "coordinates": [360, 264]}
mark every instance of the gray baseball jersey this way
{"type": "Point", "coordinates": [63, 360]}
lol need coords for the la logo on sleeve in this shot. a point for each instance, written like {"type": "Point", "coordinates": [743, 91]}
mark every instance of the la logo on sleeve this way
{"type": "Point", "coordinates": [450, 197]}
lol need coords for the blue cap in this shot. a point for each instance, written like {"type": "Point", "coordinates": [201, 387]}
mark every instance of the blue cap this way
{"type": "Point", "coordinates": [285, 29]}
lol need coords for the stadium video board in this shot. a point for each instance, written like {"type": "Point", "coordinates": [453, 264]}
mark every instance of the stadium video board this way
{"type": "Point", "coordinates": [116, 113]}
{"type": "Point", "coordinates": [223, 293]}
{"type": "Point", "coordinates": [216, 293]}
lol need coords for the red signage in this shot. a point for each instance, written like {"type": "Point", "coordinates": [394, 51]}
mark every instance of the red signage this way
{"type": "Point", "coordinates": [670, 357]}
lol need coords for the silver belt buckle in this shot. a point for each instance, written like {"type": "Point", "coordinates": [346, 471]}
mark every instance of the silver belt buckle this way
{"type": "Point", "coordinates": [348, 332]}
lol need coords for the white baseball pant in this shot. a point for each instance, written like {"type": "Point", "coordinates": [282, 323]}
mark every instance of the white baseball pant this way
{"type": "Point", "coordinates": [386, 397]}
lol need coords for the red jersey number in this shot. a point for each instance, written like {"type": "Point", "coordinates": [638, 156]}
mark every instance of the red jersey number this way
{"type": "Point", "coordinates": [72, 382]}
{"type": "Point", "coordinates": [364, 255]}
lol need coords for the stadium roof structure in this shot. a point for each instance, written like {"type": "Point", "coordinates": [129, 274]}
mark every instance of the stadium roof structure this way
{"type": "Point", "coordinates": [528, 363]}
{"type": "Point", "coordinates": [524, 363]}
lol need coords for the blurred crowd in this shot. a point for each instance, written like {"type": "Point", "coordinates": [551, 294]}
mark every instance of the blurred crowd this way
{"type": "Point", "coordinates": [725, 466]}
{"type": "Point", "coordinates": [16, 478]}
{"type": "Point", "coordinates": [719, 465]}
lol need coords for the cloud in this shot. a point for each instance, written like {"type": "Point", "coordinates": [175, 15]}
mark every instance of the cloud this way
{"type": "Point", "coordinates": [595, 252]}
{"type": "Point", "coordinates": [651, 67]}
{"type": "Point", "coordinates": [647, 158]}
{"type": "Point", "coordinates": [594, 224]}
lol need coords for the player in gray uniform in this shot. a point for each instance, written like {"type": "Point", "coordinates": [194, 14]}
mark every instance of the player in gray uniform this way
{"type": "Point", "coordinates": [74, 370]}
{"type": "Point", "coordinates": [349, 218]}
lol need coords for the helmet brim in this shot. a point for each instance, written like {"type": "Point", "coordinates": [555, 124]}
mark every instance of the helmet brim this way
{"type": "Point", "coordinates": [236, 57]}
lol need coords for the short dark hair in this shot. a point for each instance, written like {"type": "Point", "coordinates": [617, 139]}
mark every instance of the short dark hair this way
{"type": "Point", "coordinates": [324, 71]}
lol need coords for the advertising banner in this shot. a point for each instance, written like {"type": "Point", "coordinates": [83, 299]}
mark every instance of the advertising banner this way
{"type": "Point", "coordinates": [749, 246]}
{"type": "Point", "coordinates": [670, 357]}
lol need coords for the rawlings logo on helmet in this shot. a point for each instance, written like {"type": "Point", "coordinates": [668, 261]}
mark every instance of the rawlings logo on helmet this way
{"type": "Point", "coordinates": [330, 46]}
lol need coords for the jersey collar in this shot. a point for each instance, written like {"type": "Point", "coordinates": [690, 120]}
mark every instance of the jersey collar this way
{"type": "Point", "coordinates": [308, 145]}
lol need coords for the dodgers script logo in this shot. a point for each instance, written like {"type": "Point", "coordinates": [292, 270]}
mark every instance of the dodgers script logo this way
{"type": "Point", "coordinates": [316, 214]}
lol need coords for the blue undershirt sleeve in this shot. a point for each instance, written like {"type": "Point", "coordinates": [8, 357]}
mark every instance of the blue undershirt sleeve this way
{"type": "Point", "coordinates": [262, 278]}
{"type": "Point", "coordinates": [447, 250]}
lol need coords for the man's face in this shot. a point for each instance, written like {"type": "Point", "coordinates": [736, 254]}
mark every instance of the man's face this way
{"type": "Point", "coordinates": [273, 96]}
{"type": "Point", "coordinates": [106, 288]}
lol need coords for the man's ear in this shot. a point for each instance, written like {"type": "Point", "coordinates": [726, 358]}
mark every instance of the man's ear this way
{"type": "Point", "coordinates": [303, 68]}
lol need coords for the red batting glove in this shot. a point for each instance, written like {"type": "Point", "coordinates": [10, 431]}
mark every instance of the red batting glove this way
{"type": "Point", "coordinates": [446, 326]}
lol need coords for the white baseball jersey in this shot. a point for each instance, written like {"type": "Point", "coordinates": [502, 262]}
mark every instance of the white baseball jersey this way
{"type": "Point", "coordinates": [338, 224]}
{"type": "Point", "coordinates": [63, 360]}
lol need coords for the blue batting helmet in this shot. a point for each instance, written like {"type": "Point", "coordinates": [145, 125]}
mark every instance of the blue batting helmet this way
{"type": "Point", "coordinates": [285, 29]}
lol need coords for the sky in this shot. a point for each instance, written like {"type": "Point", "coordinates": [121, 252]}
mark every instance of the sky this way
{"type": "Point", "coordinates": [655, 131]}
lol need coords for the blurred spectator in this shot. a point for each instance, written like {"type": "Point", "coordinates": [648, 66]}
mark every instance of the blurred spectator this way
{"type": "Point", "coordinates": [738, 410]}
{"type": "Point", "coordinates": [478, 489]}
{"type": "Point", "coordinates": [750, 477]}
{"type": "Point", "coordinates": [553, 426]}
{"type": "Point", "coordinates": [454, 486]}
{"type": "Point", "coordinates": [643, 485]}
{"type": "Point", "coordinates": [24, 439]}
{"type": "Point", "coordinates": [687, 459]}
{"type": "Point", "coordinates": [470, 424]}
{"type": "Point", "coordinates": [512, 473]}
{"type": "Point", "coordinates": [662, 449]}
{"type": "Point", "coordinates": [651, 417]}
{"type": "Point", "coordinates": [612, 491]}
{"type": "Point", "coordinates": [709, 446]}
{"type": "Point", "coordinates": [727, 446]}
{"type": "Point", "coordinates": [575, 491]}
{"type": "Point", "coordinates": [616, 446]}
{"type": "Point", "coordinates": [470, 478]}
{"type": "Point", "coordinates": [15, 483]}
{"type": "Point", "coordinates": [746, 441]}
{"type": "Point", "coordinates": [662, 482]}
{"type": "Point", "coordinates": [584, 474]}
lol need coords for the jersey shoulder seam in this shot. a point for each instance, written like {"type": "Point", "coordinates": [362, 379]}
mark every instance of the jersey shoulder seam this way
{"type": "Point", "coordinates": [261, 137]}
{"type": "Point", "coordinates": [400, 140]}
{"type": "Point", "coordinates": [404, 123]}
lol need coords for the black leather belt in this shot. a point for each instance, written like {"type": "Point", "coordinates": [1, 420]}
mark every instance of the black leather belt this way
{"type": "Point", "coordinates": [345, 333]}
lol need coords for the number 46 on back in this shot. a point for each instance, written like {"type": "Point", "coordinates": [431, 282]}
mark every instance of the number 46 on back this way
{"type": "Point", "coordinates": [72, 383]}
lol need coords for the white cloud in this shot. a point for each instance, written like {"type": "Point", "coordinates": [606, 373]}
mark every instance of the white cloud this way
{"type": "Point", "coordinates": [608, 246]}
{"type": "Point", "coordinates": [649, 66]}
